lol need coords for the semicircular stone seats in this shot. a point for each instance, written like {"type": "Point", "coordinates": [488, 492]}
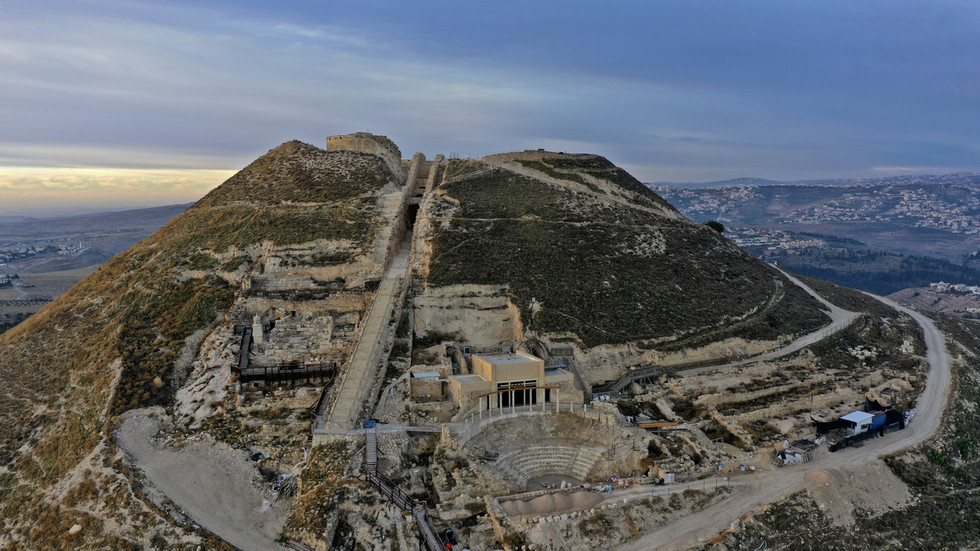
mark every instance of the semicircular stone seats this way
{"type": "Point", "coordinates": [549, 458]}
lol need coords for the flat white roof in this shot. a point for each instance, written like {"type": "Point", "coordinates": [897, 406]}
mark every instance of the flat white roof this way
{"type": "Point", "coordinates": [472, 377]}
{"type": "Point", "coordinates": [858, 417]}
{"type": "Point", "coordinates": [554, 372]}
{"type": "Point", "coordinates": [423, 374]}
{"type": "Point", "coordinates": [498, 359]}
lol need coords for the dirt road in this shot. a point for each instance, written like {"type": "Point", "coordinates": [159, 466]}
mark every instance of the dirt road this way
{"type": "Point", "coordinates": [839, 319]}
{"type": "Point", "coordinates": [771, 486]}
{"type": "Point", "coordinates": [213, 484]}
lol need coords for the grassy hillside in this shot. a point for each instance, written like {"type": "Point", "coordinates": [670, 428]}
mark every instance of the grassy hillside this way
{"type": "Point", "coordinates": [611, 271]}
{"type": "Point", "coordinates": [110, 343]}
{"type": "Point", "coordinates": [574, 167]}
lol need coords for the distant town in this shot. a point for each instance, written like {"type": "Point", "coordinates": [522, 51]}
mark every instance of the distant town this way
{"type": "Point", "coordinates": [926, 208]}
{"type": "Point", "coordinates": [950, 203]}
{"type": "Point", "coordinates": [12, 252]}
{"type": "Point", "coordinates": [773, 240]}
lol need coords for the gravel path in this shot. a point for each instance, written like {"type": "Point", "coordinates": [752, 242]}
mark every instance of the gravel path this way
{"type": "Point", "coordinates": [213, 484]}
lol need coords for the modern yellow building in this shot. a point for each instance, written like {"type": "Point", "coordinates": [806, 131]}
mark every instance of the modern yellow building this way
{"type": "Point", "coordinates": [511, 380]}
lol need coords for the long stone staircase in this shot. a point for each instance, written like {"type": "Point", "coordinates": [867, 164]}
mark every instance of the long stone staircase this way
{"type": "Point", "coordinates": [363, 370]}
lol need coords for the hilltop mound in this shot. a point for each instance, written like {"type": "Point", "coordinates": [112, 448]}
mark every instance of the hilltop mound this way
{"type": "Point", "coordinates": [603, 258]}
{"type": "Point", "coordinates": [296, 172]}
{"type": "Point", "coordinates": [115, 341]}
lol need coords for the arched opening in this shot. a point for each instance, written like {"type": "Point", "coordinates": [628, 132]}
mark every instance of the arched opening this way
{"type": "Point", "coordinates": [537, 348]}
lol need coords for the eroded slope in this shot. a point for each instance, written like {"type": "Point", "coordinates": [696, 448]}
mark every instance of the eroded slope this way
{"type": "Point", "coordinates": [115, 341]}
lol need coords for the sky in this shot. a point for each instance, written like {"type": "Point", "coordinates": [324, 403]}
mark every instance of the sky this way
{"type": "Point", "coordinates": [121, 103]}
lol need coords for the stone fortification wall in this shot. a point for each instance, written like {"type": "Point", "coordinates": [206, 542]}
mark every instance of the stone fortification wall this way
{"type": "Point", "coordinates": [339, 302]}
{"type": "Point", "coordinates": [393, 227]}
{"type": "Point", "coordinates": [395, 206]}
{"type": "Point", "coordinates": [433, 172]}
{"type": "Point", "coordinates": [727, 397]}
{"type": "Point", "coordinates": [426, 389]}
{"type": "Point", "coordinates": [415, 169]}
{"type": "Point", "coordinates": [364, 142]}
{"type": "Point", "coordinates": [532, 155]}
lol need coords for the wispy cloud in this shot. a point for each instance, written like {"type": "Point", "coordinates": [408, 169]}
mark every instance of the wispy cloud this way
{"type": "Point", "coordinates": [70, 155]}
{"type": "Point", "coordinates": [674, 90]}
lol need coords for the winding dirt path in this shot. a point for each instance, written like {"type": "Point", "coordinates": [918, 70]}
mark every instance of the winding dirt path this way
{"type": "Point", "coordinates": [839, 319]}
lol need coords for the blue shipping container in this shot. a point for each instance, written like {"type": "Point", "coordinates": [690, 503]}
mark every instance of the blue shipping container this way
{"type": "Point", "coordinates": [879, 419]}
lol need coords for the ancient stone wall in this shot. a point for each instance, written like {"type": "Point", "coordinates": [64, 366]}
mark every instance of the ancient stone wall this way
{"type": "Point", "coordinates": [364, 142]}
{"type": "Point", "coordinates": [728, 397]}
{"type": "Point", "coordinates": [426, 389]}
{"type": "Point", "coordinates": [340, 301]}
{"type": "Point", "coordinates": [482, 316]}
{"type": "Point", "coordinates": [393, 227]}
{"type": "Point", "coordinates": [532, 155]}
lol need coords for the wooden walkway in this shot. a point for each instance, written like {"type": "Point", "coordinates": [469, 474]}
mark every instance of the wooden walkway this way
{"type": "Point", "coordinates": [396, 495]}
{"type": "Point", "coordinates": [371, 450]}
{"type": "Point", "coordinates": [290, 372]}
{"type": "Point", "coordinates": [244, 350]}
{"type": "Point", "coordinates": [432, 541]}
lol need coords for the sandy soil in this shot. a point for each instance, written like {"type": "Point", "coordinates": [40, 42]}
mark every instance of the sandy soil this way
{"type": "Point", "coordinates": [215, 485]}
{"type": "Point", "coordinates": [873, 488]}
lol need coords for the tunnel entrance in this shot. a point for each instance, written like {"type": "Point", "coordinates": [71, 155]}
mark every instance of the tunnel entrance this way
{"type": "Point", "coordinates": [411, 215]}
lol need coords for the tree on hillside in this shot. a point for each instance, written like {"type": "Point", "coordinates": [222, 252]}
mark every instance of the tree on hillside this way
{"type": "Point", "coordinates": [715, 225]}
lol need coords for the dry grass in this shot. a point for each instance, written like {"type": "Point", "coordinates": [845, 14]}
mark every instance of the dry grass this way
{"type": "Point", "coordinates": [322, 489]}
{"type": "Point", "coordinates": [96, 351]}
{"type": "Point", "coordinates": [607, 271]}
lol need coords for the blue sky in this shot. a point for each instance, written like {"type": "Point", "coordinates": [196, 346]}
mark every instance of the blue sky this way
{"type": "Point", "coordinates": [147, 102]}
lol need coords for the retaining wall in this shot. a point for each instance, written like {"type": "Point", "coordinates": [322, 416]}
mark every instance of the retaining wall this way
{"type": "Point", "coordinates": [364, 142]}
